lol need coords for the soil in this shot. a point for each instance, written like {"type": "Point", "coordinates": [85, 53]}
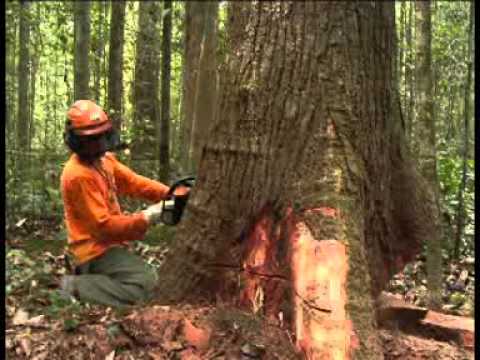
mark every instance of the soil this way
{"type": "Point", "coordinates": [182, 332]}
{"type": "Point", "coordinates": [39, 327]}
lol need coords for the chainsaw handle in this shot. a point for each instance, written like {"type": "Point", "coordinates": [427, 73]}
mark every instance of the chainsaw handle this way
{"type": "Point", "coordinates": [185, 181]}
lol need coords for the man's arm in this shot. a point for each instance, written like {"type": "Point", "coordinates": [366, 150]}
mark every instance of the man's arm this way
{"type": "Point", "coordinates": [131, 184]}
{"type": "Point", "coordinates": [90, 207]}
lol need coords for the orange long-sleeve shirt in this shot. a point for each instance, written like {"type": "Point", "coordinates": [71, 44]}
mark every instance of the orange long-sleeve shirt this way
{"type": "Point", "coordinates": [93, 216]}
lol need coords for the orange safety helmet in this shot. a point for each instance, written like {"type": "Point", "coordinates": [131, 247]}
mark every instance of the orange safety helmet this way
{"type": "Point", "coordinates": [87, 118]}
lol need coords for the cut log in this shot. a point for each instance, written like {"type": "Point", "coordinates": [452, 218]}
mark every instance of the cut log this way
{"type": "Point", "coordinates": [391, 307]}
{"type": "Point", "coordinates": [451, 328]}
{"type": "Point", "coordinates": [392, 310]}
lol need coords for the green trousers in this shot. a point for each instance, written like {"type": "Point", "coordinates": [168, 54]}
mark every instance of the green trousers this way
{"type": "Point", "coordinates": [116, 278]}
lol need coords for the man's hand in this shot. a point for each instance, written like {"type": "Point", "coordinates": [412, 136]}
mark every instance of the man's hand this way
{"type": "Point", "coordinates": [153, 213]}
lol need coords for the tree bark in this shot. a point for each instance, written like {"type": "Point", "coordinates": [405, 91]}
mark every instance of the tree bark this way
{"type": "Point", "coordinates": [194, 24]}
{"type": "Point", "coordinates": [305, 202]}
{"type": "Point", "coordinates": [115, 61]}
{"type": "Point", "coordinates": [205, 93]}
{"type": "Point", "coordinates": [82, 49]}
{"type": "Point", "coordinates": [146, 88]}
{"type": "Point", "coordinates": [424, 145]}
{"type": "Point", "coordinates": [466, 140]}
{"type": "Point", "coordinates": [166, 76]}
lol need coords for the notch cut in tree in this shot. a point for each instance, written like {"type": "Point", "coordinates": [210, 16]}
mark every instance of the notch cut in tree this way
{"type": "Point", "coordinates": [306, 201]}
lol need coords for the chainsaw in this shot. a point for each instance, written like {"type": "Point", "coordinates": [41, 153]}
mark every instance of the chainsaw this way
{"type": "Point", "coordinates": [174, 205]}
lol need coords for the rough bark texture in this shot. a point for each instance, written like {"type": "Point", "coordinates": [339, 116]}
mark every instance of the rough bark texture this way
{"type": "Point", "coordinates": [194, 22]}
{"type": "Point", "coordinates": [23, 78]}
{"type": "Point", "coordinates": [147, 68]}
{"type": "Point", "coordinates": [205, 102]}
{"type": "Point", "coordinates": [423, 144]}
{"type": "Point", "coordinates": [82, 49]}
{"type": "Point", "coordinates": [115, 70]}
{"type": "Point", "coordinates": [305, 169]}
{"type": "Point", "coordinates": [166, 66]}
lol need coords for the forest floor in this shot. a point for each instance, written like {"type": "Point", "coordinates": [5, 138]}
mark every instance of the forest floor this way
{"type": "Point", "coordinates": [41, 325]}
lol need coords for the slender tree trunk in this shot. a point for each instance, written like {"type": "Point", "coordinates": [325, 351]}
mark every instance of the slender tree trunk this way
{"type": "Point", "coordinates": [424, 144]}
{"type": "Point", "coordinates": [304, 201]}
{"type": "Point", "coordinates": [106, 27]}
{"type": "Point", "coordinates": [402, 55]}
{"type": "Point", "coordinates": [31, 123]}
{"type": "Point", "coordinates": [205, 102]}
{"type": "Point", "coordinates": [82, 49]}
{"type": "Point", "coordinates": [165, 105]}
{"type": "Point", "coordinates": [98, 52]}
{"type": "Point", "coordinates": [11, 76]}
{"type": "Point", "coordinates": [115, 69]}
{"type": "Point", "coordinates": [466, 139]}
{"type": "Point", "coordinates": [194, 24]}
{"type": "Point", "coordinates": [146, 88]}
{"type": "Point", "coordinates": [23, 75]}
{"type": "Point", "coordinates": [409, 74]}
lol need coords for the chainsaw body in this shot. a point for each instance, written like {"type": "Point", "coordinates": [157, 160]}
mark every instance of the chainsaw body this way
{"type": "Point", "coordinates": [174, 205]}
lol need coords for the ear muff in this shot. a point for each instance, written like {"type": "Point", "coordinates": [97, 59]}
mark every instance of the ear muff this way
{"type": "Point", "coordinates": [71, 140]}
{"type": "Point", "coordinates": [113, 140]}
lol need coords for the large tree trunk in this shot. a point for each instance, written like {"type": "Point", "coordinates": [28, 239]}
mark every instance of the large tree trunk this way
{"type": "Point", "coordinates": [166, 76]}
{"type": "Point", "coordinates": [147, 68]}
{"type": "Point", "coordinates": [194, 23]}
{"type": "Point", "coordinates": [305, 201]}
{"type": "Point", "coordinates": [424, 144]}
{"type": "Point", "coordinates": [205, 102]}
{"type": "Point", "coordinates": [466, 139]}
{"type": "Point", "coordinates": [115, 67]}
{"type": "Point", "coordinates": [82, 49]}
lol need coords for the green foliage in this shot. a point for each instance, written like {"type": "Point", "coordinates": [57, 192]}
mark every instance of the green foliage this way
{"type": "Point", "coordinates": [19, 270]}
{"type": "Point", "coordinates": [450, 21]}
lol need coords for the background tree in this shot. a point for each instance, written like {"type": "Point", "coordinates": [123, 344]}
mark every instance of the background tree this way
{"type": "Point", "coordinates": [165, 90]}
{"type": "Point", "coordinates": [466, 138]}
{"type": "Point", "coordinates": [423, 143]}
{"type": "Point", "coordinates": [146, 89]}
{"type": "Point", "coordinates": [23, 88]}
{"type": "Point", "coordinates": [115, 67]}
{"type": "Point", "coordinates": [82, 49]}
{"type": "Point", "coordinates": [194, 25]}
{"type": "Point", "coordinates": [288, 173]}
{"type": "Point", "coordinates": [409, 72]}
{"type": "Point", "coordinates": [98, 48]}
{"type": "Point", "coordinates": [206, 83]}
{"type": "Point", "coordinates": [23, 73]}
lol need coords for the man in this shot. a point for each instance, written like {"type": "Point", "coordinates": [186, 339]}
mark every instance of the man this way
{"type": "Point", "coordinates": [98, 231]}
